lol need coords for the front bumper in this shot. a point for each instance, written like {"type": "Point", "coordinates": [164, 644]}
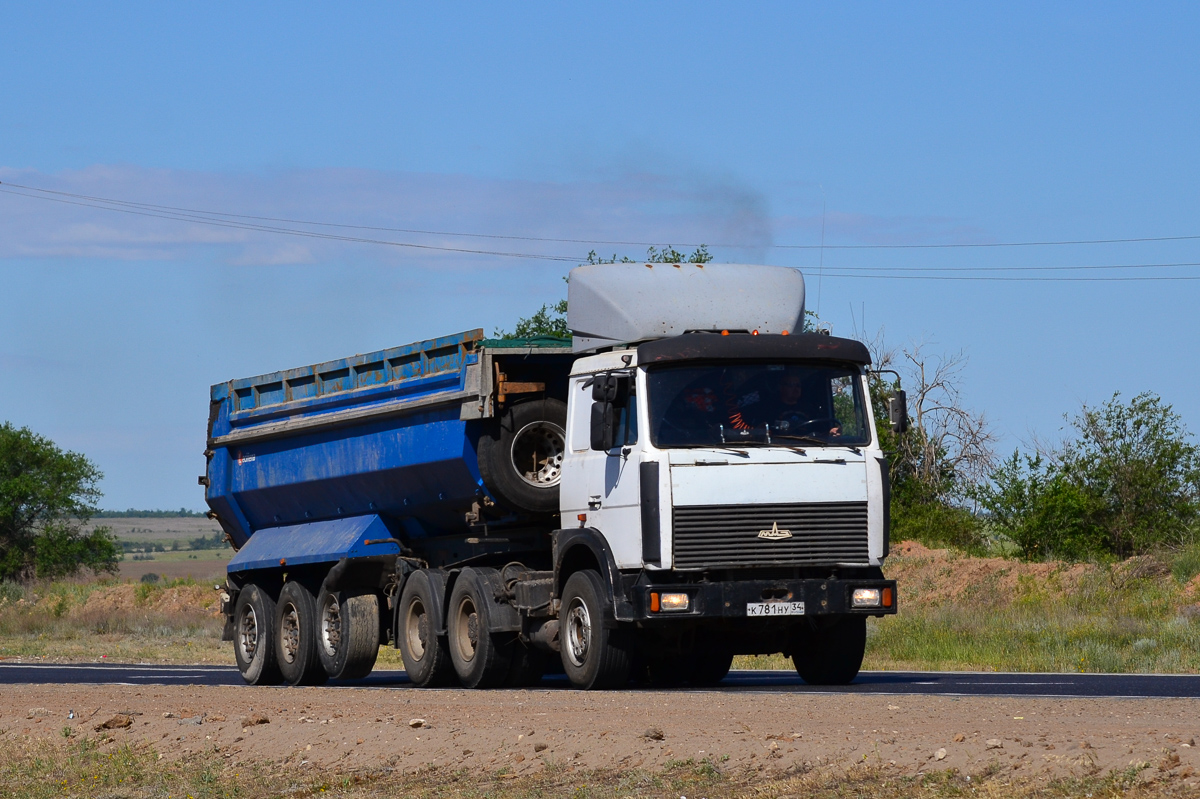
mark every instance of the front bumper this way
{"type": "Point", "coordinates": [729, 599]}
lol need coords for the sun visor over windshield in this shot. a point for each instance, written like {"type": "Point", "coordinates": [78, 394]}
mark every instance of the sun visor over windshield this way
{"type": "Point", "coordinates": [708, 346]}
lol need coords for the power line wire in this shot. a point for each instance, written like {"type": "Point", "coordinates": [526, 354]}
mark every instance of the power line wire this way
{"type": "Point", "coordinates": [1003, 278]}
{"type": "Point", "coordinates": [226, 223]}
{"type": "Point", "coordinates": [416, 231]}
{"type": "Point", "coordinates": [884, 273]}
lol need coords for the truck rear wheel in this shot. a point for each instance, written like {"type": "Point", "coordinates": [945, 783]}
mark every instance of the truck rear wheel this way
{"type": "Point", "coordinates": [481, 659]}
{"type": "Point", "coordinates": [833, 655]}
{"type": "Point", "coordinates": [521, 461]}
{"type": "Point", "coordinates": [426, 655]}
{"type": "Point", "coordinates": [593, 656]}
{"type": "Point", "coordinates": [528, 666]}
{"type": "Point", "coordinates": [348, 622]}
{"type": "Point", "coordinates": [254, 637]}
{"type": "Point", "coordinates": [296, 636]}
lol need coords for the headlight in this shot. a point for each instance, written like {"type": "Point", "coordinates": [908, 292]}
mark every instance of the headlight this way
{"type": "Point", "coordinates": [668, 602]}
{"type": "Point", "coordinates": [865, 598]}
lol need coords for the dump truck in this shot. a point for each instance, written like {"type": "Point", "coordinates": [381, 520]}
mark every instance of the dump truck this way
{"type": "Point", "coordinates": [691, 476]}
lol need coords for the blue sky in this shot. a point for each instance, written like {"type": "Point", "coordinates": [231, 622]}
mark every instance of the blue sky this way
{"type": "Point", "coordinates": [674, 123]}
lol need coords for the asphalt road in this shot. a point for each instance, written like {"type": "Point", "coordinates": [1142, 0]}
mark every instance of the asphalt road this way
{"type": "Point", "coordinates": [869, 682]}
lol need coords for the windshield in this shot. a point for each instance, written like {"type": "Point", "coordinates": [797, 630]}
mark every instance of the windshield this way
{"type": "Point", "coordinates": [782, 404]}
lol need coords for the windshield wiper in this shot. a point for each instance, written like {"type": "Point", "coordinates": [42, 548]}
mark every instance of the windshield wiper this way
{"type": "Point", "coordinates": [820, 442]}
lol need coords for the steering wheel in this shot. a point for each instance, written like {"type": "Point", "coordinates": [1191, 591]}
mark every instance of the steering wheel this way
{"type": "Point", "coordinates": [820, 426]}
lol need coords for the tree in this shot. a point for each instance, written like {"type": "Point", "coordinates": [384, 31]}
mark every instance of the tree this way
{"type": "Point", "coordinates": [946, 452]}
{"type": "Point", "coordinates": [1127, 483]}
{"type": "Point", "coordinates": [47, 497]}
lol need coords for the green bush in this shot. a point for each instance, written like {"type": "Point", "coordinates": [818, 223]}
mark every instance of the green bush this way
{"type": "Point", "coordinates": [937, 524]}
{"type": "Point", "coordinates": [1127, 484]}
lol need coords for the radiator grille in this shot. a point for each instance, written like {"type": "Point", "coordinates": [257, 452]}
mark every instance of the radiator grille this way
{"type": "Point", "coordinates": [728, 535]}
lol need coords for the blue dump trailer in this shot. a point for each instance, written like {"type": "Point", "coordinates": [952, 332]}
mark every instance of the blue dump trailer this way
{"type": "Point", "coordinates": [500, 508]}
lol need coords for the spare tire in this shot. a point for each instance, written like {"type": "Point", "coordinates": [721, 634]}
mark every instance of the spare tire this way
{"type": "Point", "coordinates": [521, 457]}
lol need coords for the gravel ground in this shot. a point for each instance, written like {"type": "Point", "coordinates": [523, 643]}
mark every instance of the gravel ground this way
{"type": "Point", "coordinates": [522, 732]}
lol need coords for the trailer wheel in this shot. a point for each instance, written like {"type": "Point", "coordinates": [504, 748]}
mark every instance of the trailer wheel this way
{"type": "Point", "coordinates": [833, 655]}
{"type": "Point", "coordinates": [348, 625]}
{"type": "Point", "coordinates": [426, 656]}
{"type": "Point", "coordinates": [296, 636]}
{"type": "Point", "coordinates": [593, 655]}
{"type": "Point", "coordinates": [254, 637]}
{"type": "Point", "coordinates": [481, 659]}
{"type": "Point", "coordinates": [521, 460]}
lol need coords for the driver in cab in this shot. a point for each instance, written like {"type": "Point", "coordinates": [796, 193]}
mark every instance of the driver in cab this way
{"type": "Point", "coordinates": [787, 411]}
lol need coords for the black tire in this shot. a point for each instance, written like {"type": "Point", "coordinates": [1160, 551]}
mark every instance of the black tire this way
{"type": "Point", "coordinates": [425, 653]}
{"type": "Point", "coordinates": [520, 459]}
{"type": "Point", "coordinates": [481, 659]}
{"type": "Point", "coordinates": [667, 671]}
{"type": "Point", "coordinates": [710, 666]}
{"type": "Point", "coordinates": [296, 636]}
{"type": "Point", "coordinates": [254, 637]}
{"type": "Point", "coordinates": [348, 632]}
{"type": "Point", "coordinates": [528, 666]}
{"type": "Point", "coordinates": [593, 655]}
{"type": "Point", "coordinates": [832, 655]}
{"type": "Point", "coordinates": [700, 667]}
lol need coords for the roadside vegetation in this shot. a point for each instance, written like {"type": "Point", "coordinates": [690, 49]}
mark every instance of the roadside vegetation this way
{"type": "Point", "coordinates": [93, 765]}
{"type": "Point", "coordinates": [147, 621]}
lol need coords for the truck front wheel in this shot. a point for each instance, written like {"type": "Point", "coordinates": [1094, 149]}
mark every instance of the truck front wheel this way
{"type": "Point", "coordinates": [254, 637]}
{"type": "Point", "coordinates": [349, 632]}
{"type": "Point", "coordinates": [296, 636]}
{"type": "Point", "coordinates": [481, 659]}
{"type": "Point", "coordinates": [833, 655]}
{"type": "Point", "coordinates": [426, 656]}
{"type": "Point", "coordinates": [593, 655]}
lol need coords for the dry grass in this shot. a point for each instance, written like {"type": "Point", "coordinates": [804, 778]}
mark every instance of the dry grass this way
{"type": "Point", "coordinates": [956, 613]}
{"type": "Point", "coordinates": [962, 613]}
{"type": "Point", "coordinates": [94, 766]}
{"type": "Point", "coordinates": [174, 621]}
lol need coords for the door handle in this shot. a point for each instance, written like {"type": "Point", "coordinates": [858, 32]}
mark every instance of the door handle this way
{"type": "Point", "coordinates": [594, 502]}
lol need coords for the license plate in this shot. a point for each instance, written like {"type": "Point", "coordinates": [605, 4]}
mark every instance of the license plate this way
{"type": "Point", "coordinates": [774, 608]}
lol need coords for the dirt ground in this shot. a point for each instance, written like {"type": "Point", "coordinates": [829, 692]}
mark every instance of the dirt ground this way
{"type": "Point", "coordinates": [524, 732]}
{"type": "Point", "coordinates": [204, 567]}
{"type": "Point", "coordinates": [171, 528]}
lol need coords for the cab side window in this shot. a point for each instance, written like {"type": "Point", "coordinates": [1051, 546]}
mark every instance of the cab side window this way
{"type": "Point", "coordinates": [581, 415]}
{"type": "Point", "coordinates": [626, 423]}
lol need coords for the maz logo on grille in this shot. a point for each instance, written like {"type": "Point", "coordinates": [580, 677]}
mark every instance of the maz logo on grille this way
{"type": "Point", "coordinates": [774, 534]}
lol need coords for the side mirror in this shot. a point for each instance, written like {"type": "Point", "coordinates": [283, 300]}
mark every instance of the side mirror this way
{"type": "Point", "coordinates": [611, 388]}
{"type": "Point", "coordinates": [898, 411]}
{"type": "Point", "coordinates": [603, 429]}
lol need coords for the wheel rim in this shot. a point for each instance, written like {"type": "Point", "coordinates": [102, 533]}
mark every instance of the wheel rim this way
{"type": "Point", "coordinates": [579, 632]}
{"type": "Point", "coordinates": [248, 633]}
{"type": "Point", "coordinates": [331, 626]}
{"type": "Point", "coordinates": [416, 629]}
{"type": "Point", "coordinates": [289, 633]}
{"type": "Point", "coordinates": [466, 629]}
{"type": "Point", "coordinates": [537, 453]}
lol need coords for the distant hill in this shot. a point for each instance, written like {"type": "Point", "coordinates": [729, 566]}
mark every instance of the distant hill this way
{"type": "Point", "coordinates": [132, 513]}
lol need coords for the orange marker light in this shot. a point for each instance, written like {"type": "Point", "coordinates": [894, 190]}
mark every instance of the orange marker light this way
{"type": "Point", "coordinates": [784, 333]}
{"type": "Point", "coordinates": [755, 333]}
{"type": "Point", "coordinates": [724, 332]}
{"type": "Point", "coordinates": [887, 597]}
{"type": "Point", "coordinates": [654, 602]}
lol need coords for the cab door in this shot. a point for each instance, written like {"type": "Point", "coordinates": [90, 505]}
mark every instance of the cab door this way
{"type": "Point", "coordinates": [604, 486]}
